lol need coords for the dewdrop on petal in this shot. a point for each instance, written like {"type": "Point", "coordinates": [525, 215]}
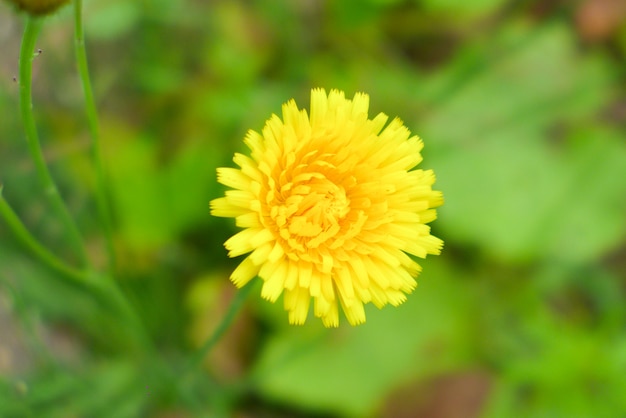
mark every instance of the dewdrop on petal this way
{"type": "Point", "coordinates": [332, 209]}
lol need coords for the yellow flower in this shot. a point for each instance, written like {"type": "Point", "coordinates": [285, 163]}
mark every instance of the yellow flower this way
{"type": "Point", "coordinates": [331, 207]}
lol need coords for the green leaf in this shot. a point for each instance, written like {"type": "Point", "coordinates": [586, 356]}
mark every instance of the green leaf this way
{"type": "Point", "coordinates": [510, 187]}
{"type": "Point", "coordinates": [156, 201]}
{"type": "Point", "coordinates": [462, 7]}
{"type": "Point", "coordinates": [352, 370]}
{"type": "Point", "coordinates": [112, 19]}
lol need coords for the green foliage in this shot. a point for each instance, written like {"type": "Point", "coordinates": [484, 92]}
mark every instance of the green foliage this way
{"type": "Point", "coordinates": [353, 370]}
{"type": "Point", "coordinates": [157, 201]}
{"type": "Point", "coordinates": [522, 121]}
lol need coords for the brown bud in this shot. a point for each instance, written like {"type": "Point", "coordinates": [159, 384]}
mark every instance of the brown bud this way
{"type": "Point", "coordinates": [39, 7]}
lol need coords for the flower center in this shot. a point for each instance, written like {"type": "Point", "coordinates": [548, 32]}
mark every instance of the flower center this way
{"type": "Point", "coordinates": [320, 209]}
{"type": "Point", "coordinates": [312, 210]}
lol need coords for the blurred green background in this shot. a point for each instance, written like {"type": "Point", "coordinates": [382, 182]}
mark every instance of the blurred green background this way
{"type": "Point", "coordinates": [522, 108]}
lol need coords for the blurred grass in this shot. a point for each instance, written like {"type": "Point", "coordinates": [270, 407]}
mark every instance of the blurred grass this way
{"type": "Point", "coordinates": [521, 108]}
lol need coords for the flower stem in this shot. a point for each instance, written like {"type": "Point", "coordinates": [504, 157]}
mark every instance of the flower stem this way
{"type": "Point", "coordinates": [234, 308]}
{"type": "Point", "coordinates": [31, 32]}
{"type": "Point", "coordinates": [184, 383]}
{"type": "Point", "coordinates": [103, 285]}
{"type": "Point", "coordinates": [111, 290]}
{"type": "Point", "coordinates": [102, 200]}
{"type": "Point", "coordinates": [106, 287]}
{"type": "Point", "coordinates": [24, 236]}
{"type": "Point", "coordinates": [107, 284]}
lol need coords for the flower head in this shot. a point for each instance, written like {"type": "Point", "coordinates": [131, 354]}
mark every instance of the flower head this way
{"type": "Point", "coordinates": [332, 209]}
{"type": "Point", "coordinates": [39, 7]}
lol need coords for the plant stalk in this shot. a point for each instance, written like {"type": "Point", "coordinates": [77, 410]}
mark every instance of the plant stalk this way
{"type": "Point", "coordinates": [230, 315]}
{"type": "Point", "coordinates": [102, 191]}
{"type": "Point", "coordinates": [27, 53]}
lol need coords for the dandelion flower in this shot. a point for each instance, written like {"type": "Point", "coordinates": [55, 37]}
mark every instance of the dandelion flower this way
{"type": "Point", "coordinates": [332, 209]}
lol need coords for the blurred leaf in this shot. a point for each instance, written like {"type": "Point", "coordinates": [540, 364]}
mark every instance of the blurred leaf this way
{"type": "Point", "coordinates": [555, 355]}
{"type": "Point", "coordinates": [108, 20]}
{"type": "Point", "coordinates": [237, 61]}
{"type": "Point", "coordinates": [508, 188]}
{"type": "Point", "coordinates": [155, 200]}
{"type": "Point", "coordinates": [351, 370]}
{"type": "Point", "coordinates": [46, 294]}
{"type": "Point", "coordinates": [462, 8]}
{"type": "Point", "coordinates": [110, 390]}
{"type": "Point", "coordinates": [568, 372]}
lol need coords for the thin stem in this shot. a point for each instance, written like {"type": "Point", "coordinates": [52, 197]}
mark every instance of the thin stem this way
{"type": "Point", "coordinates": [231, 314]}
{"type": "Point", "coordinates": [31, 32]}
{"type": "Point", "coordinates": [186, 376]}
{"type": "Point", "coordinates": [110, 288]}
{"type": "Point", "coordinates": [102, 200]}
{"type": "Point", "coordinates": [105, 286]}
{"type": "Point", "coordinates": [31, 243]}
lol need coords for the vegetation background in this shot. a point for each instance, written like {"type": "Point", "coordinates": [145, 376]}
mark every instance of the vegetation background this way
{"type": "Point", "coordinates": [522, 108]}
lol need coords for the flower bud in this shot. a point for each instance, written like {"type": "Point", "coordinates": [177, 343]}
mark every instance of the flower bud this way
{"type": "Point", "coordinates": [38, 7]}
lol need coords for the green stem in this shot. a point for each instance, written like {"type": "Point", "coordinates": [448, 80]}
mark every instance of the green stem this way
{"type": "Point", "coordinates": [183, 385]}
{"type": "Point", "coordinates": [41, 252]}
{"type": "Point", "coordinates": [31, 32]}
{"type": "Point", "coordinates": [229, 317]}
{"type": "Point", "coordinates": [104, 286]}
{"type": "Point", "coordinates": [111, 290]}
{"type": "Point", "coordinates": [108, 285]}
{"type": "Point", "coordinates": [102, 201]}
